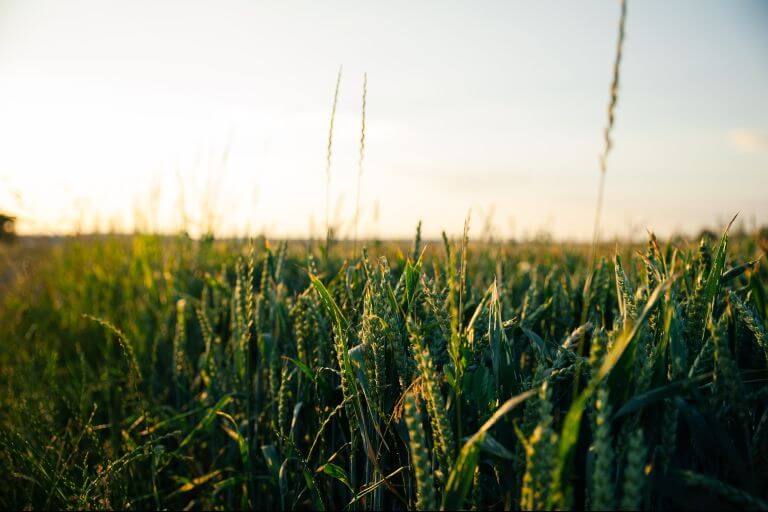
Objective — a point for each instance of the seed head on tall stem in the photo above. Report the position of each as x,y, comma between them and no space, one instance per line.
608,141
328,155
361,157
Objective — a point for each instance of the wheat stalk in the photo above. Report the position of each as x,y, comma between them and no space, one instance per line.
361,156
328,155
607,131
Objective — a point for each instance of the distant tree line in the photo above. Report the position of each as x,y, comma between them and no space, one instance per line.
7,227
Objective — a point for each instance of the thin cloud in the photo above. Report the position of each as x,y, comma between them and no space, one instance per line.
749,141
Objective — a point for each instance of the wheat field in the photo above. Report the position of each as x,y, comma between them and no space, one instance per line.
152,372
168,372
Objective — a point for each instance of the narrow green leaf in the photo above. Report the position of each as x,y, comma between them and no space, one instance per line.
490,445
306,370
329,303
207,420
661,393
336,472
272,458
712,285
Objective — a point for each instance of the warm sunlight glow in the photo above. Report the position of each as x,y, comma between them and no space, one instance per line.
163,115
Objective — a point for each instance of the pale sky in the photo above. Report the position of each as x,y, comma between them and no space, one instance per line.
108,108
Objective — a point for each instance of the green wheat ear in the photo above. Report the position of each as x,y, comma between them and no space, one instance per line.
425,485
634,472
602,495
624,292
441,426
179,344
669,423
598,349
749,318
283,398
537,489
726,375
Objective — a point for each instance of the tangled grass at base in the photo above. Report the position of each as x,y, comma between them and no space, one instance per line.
156,373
